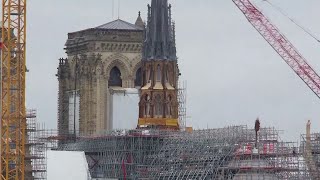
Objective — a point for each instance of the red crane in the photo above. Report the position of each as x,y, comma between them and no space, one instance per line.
280,44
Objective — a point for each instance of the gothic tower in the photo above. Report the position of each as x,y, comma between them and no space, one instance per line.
101,62
158,106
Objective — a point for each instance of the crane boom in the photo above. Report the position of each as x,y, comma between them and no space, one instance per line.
13,110
280,44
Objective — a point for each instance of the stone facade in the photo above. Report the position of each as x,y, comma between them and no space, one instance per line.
108,56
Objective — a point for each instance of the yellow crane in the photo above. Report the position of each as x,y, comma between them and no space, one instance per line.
13,110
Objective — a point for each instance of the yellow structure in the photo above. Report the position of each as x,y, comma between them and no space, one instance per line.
164,122
13,115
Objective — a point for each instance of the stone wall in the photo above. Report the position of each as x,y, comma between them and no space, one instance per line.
91,56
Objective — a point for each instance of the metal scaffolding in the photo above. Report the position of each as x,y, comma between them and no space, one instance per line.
197,155
182,110
223,153
271,158
36,164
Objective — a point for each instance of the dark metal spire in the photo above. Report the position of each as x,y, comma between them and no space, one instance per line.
159,43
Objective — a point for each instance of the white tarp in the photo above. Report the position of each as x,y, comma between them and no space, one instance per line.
74,111
124,108
67,165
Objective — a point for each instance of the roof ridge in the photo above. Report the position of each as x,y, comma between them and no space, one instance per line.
134,26
116,24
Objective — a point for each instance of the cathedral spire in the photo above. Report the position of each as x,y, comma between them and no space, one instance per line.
158,106
159,41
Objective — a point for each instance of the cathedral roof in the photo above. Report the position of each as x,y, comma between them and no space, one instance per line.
119,25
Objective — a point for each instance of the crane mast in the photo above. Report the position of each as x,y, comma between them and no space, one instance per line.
13,110
280,44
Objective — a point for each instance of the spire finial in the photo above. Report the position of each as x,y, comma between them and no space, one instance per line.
139,21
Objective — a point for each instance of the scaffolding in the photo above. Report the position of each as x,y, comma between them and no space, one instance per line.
197,155
228,153
36,164
271,158
182,109
223,153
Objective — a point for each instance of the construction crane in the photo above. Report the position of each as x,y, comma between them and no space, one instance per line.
290,55
280,44
13,110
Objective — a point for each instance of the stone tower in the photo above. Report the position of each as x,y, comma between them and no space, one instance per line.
158,106
99,60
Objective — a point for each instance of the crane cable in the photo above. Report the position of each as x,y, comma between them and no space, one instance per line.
294,21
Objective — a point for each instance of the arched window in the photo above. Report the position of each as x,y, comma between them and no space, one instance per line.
167,76
158,106
169,107
147,106
115,77
158,73
138,80
148,73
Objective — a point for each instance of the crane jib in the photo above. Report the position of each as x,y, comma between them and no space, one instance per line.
280,44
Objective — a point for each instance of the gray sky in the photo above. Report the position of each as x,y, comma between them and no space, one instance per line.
233,75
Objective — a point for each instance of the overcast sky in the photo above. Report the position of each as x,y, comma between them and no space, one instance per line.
233,76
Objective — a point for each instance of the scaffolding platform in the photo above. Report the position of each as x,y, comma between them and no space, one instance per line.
222,153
